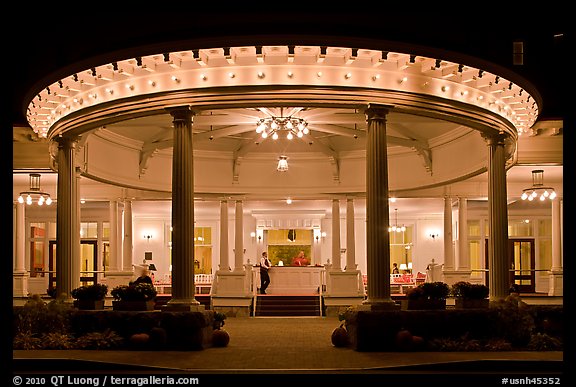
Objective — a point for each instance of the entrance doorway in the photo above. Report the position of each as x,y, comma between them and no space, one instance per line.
521,262
88,263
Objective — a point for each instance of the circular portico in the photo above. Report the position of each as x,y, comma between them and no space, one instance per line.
371,115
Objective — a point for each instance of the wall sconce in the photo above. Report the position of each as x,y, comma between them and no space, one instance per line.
433,235
148,237
259,235
253,236
319,236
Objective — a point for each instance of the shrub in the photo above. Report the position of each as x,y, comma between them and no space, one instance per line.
100,340
95,292
469,291
544,342
515,322
54,340
138,292
38,317
429,290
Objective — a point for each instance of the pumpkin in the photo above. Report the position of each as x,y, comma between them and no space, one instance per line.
418,341
220,338
340,336
139,339
404,339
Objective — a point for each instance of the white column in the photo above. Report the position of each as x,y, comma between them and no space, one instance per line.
556,235
239,238
336,259
463,247
448,239
350,237
224,258
128,241
114,259
20,265
557,271
20,288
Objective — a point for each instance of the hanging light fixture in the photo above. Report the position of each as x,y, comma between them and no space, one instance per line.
282,164
35,193
397,228
538,189
271,126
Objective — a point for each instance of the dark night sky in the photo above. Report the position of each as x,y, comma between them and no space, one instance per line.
50,42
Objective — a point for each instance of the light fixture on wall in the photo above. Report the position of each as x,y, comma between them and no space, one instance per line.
148,237
292,126
35,193
433,235
253,235
538,189
282,164
396,228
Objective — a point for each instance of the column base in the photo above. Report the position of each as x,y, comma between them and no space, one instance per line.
556,283
344,284
232,283
20,284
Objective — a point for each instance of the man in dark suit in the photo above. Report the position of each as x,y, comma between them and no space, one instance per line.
264,276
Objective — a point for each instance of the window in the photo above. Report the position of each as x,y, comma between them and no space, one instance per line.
401,247
89,230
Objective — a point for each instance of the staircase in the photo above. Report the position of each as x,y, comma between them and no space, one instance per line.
283,305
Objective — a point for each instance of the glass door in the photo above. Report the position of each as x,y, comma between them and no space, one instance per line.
522,264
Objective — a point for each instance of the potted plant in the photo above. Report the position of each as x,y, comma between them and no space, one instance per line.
134,297
429,295
469,296
89,296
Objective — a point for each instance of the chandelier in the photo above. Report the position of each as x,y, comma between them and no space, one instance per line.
282,164
35,193
397,228
271,126
538,188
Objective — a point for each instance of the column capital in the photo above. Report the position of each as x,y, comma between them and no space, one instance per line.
64,141
376,111
180,112
495,139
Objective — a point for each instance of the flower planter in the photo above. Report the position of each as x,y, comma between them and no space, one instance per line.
466,303
89,304
133,305
423,304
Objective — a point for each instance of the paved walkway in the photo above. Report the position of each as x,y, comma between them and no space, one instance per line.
286,345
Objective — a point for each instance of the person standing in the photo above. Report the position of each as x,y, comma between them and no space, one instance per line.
144,277
395,268
264,275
